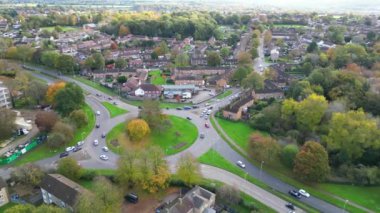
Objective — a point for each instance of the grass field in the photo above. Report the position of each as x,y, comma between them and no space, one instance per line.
95,85
113,110
168,140
224,94
43,151
7,206
163,105
156,77
64,28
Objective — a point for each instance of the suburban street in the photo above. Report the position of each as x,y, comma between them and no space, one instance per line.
212,140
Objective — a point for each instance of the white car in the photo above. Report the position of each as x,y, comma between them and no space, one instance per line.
304,193
240,164
80,143
103,157
96,142
105,148
98,113
70,148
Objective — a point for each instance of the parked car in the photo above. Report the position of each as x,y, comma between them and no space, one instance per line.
80,143
96,142
188,118
202,136
178,108
295,194
240,164
70,148
114,103
103,157
206,125
206,117
97,125
187,108
140,107
132,198
97,113
105,148
195,107
77,148
304,193
63,154
290,206
103,135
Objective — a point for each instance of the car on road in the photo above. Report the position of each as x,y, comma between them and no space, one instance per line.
206,117
63,154
304,193
195,107
70,148
295,194
187,108
114,103
97,113
80,143
206,125
140,107
109,98
103,157
103,135
201,136
77,148
97,125
178,108
188,118
240,164
105,148
96,142
290,206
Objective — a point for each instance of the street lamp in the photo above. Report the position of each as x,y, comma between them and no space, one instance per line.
261,167
344,206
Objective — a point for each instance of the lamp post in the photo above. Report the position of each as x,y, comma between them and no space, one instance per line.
261,168
344,206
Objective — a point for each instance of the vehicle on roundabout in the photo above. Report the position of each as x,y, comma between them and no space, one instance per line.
103,157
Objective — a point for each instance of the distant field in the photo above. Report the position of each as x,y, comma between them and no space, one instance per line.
65,29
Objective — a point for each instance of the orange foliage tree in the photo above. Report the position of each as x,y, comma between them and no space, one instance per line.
137,129
53,89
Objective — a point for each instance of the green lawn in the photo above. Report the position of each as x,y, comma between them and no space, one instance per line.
167,140
7,206
113,110
259,205
237,131
156,77
213,158
365,196
43,151
64,28
95,85
163,105
224,94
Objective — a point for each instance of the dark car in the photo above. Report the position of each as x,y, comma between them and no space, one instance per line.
77,148
132,198
187,108
140,107
97,125
103,135
290,206
64,154
295,194
188,118
195,107
179,108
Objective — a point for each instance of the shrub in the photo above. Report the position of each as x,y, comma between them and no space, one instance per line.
288,154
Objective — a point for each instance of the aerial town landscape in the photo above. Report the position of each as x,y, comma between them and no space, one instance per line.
189,106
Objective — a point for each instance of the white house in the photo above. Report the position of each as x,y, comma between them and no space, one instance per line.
274,54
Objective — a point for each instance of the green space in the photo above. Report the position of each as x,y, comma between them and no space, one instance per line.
7,206
113,110
95,85
224,94
180,136
248,199
43,151
163,105
156,77
368,197
64,28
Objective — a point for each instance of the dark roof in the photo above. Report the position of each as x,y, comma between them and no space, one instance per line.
269,87
234,107
149,87
61,187
189,77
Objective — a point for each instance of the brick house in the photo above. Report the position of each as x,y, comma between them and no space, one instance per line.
148,91
187,71
185,80
236,110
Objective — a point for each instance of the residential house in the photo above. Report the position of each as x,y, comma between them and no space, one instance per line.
192,79
236,110
186,71
58,190
148,91
3,24
197,200
270,90
172,91
4,97
130,86
4,197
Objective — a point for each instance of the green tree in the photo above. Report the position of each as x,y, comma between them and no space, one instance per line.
182,60
36,91
213,59
66,64
28,208
70,168
253,81
188,170
310,111
263,148
121,79
311,163
313,47
240,74
79,118
225,52
151,113
244,59
29,174
121,63
68,99
127,173
50,58
228,194
7,123
288,155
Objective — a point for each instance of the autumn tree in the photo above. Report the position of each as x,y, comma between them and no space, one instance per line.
78,118
137,129
68,99
70,168
123,31
228,194
29,174
188,169
263,148
267,37
244,59
7,123
53,89
311,163
127,173
45,121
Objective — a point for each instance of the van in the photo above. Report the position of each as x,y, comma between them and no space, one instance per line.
132,198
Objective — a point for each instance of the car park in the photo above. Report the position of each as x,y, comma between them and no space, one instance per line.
64,154
103,157
304,193
295,193
70,148
80,143
290,206
96,142
132,198
105,148
240,164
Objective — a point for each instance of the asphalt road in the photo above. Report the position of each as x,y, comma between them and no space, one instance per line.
211,140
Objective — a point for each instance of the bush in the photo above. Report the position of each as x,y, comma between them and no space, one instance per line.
361,175
88,175
288,154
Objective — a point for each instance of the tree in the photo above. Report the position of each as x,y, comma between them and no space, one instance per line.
161,49
123,31
213,59
127,173
267,37
188,170
151,113
244,59
69,168
53,89
253,81
50,58
121,79
313,47
310,111
263,148
96,61
240,74
137,129
29,174
182,60
352,133
288,155
37,91
79,118
45,121
7,123
225,52
62,134
28,208
113,46
311,163
68,99
66,64
228,194
56,140
268,119
120,63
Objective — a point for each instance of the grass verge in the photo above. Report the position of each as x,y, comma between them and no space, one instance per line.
113,110
224,94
